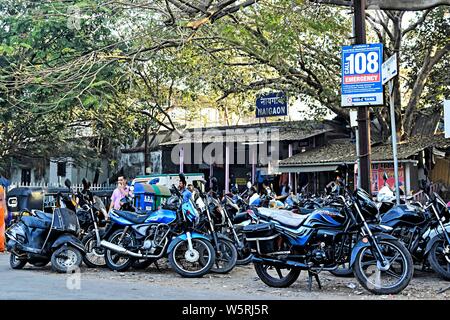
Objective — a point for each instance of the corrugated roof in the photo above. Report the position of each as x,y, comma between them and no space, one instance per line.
345,151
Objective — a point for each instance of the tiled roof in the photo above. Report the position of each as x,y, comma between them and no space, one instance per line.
345,151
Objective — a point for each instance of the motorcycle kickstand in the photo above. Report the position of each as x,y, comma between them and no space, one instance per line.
310,276
156,265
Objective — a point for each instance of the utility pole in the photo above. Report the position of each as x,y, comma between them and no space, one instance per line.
359,29
146,149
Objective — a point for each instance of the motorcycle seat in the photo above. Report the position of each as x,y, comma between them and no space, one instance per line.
284,217
135,217
40,220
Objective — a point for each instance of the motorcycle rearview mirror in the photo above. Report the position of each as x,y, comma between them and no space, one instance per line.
385,176
249,185
67,183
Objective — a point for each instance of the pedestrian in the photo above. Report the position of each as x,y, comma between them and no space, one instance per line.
119,193
3,213
183,189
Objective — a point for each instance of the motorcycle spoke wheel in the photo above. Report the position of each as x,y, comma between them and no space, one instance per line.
192,264
439,259
94,255
377,280
276,276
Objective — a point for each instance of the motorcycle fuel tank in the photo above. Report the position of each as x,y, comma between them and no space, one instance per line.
162,216
326,217
402,215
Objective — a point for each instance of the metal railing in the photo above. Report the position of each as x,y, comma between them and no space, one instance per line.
75,187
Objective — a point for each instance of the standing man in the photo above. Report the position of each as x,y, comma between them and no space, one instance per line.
182,188
119,193
3,213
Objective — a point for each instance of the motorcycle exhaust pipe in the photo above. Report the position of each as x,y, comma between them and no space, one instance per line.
120,249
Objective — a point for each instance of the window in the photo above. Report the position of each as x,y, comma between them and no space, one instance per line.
26,176
61,171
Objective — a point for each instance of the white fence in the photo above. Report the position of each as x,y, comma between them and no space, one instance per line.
75,187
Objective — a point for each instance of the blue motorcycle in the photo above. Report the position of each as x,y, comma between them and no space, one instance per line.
166,232
285,243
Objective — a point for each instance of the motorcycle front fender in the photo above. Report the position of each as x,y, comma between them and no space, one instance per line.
361,245
69,240
183,237
435,237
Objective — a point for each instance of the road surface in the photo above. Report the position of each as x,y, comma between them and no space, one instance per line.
164,284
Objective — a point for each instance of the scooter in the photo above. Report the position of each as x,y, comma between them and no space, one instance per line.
40,237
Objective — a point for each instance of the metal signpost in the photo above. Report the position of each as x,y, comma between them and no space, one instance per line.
389,72
447,118
271,104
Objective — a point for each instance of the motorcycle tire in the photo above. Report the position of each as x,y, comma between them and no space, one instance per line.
436,259
88,261
228,254
282,282
66,259
342,272
109,258
16,263
377,289
192,274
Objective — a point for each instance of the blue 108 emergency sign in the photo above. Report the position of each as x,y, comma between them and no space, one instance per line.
361,75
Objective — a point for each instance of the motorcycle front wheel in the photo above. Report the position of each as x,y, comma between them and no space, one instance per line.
95,255
226,257
439,258
66,259
195,263
378,281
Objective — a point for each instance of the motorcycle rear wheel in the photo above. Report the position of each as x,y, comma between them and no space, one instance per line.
283,281
112,258
343,270
16,263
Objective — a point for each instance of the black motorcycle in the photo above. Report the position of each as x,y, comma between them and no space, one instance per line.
425,232
95,253
237,218
212,219
322,240
40,237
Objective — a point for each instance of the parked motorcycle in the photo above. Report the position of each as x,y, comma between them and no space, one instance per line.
322,240
425,232
168,231
236,219
40,237
212,218
95,253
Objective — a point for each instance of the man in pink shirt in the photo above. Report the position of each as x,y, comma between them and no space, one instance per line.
119,193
